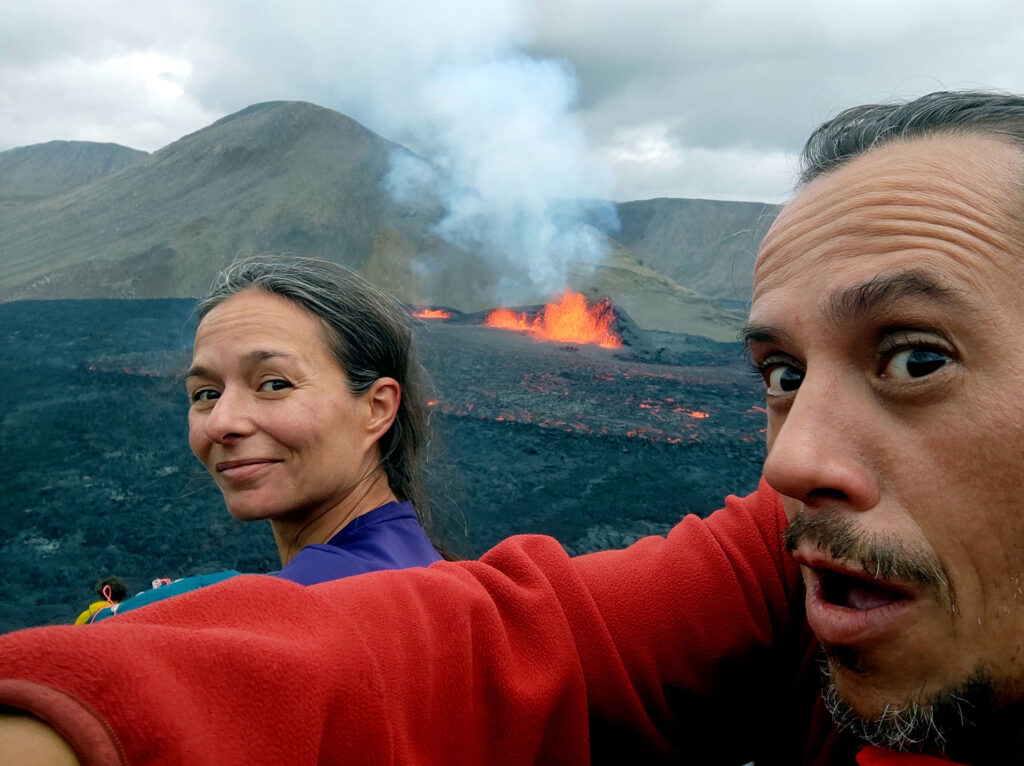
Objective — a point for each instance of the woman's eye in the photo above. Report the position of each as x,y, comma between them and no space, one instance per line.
783,378
277,384
205,395
914,363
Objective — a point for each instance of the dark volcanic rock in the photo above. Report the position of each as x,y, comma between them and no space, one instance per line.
96,476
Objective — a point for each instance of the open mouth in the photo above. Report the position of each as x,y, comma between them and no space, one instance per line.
854,593
849,607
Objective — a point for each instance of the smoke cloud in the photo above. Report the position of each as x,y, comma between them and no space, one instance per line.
498,143
512,169
451,80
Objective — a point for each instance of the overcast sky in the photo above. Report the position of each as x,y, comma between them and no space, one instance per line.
681,98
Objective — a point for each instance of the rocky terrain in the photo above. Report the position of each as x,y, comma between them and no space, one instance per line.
103,250
595,446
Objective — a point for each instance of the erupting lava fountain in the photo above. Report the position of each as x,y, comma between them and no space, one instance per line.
569,320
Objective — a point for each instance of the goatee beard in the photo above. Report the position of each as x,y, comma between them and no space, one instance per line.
961,722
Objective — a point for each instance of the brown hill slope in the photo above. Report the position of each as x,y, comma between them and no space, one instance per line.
286,177
29,173
273,177
706,245
656,302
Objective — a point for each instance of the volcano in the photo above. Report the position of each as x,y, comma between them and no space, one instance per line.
582,388
596,446
570,319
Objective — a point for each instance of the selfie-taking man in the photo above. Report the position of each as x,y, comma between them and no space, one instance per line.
885,545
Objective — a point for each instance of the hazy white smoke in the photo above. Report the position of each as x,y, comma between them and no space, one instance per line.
450,79
512,169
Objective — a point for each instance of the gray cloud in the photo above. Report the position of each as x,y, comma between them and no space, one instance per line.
680,97
744,82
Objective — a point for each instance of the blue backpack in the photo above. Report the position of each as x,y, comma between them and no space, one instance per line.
163,589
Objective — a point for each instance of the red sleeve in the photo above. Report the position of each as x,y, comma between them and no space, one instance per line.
876,756
526,656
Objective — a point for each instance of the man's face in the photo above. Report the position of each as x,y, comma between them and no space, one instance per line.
888,324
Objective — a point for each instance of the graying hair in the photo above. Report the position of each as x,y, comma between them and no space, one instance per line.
368,332
962,722
854,131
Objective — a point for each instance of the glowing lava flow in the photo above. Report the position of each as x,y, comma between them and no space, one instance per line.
432,314
569,320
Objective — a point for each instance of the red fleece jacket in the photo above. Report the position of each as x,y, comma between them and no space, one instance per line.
691,647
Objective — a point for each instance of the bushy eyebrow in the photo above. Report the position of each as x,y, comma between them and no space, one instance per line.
253,357
758,333
856,302
859,301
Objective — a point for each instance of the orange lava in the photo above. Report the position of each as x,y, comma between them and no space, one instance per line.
569,320
507,319
432,314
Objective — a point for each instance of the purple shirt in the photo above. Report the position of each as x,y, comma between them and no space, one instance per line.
388,537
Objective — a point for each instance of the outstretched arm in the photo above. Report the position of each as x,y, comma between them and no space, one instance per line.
526,656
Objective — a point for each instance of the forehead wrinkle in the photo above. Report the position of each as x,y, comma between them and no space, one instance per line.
873,222
857,301
928,223
939,202
260,356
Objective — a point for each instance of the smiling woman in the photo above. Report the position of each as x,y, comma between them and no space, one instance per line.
307,411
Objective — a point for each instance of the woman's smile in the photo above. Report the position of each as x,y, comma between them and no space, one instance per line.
235,471
273,417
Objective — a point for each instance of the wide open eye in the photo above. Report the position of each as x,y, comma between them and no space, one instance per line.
783,379
915,363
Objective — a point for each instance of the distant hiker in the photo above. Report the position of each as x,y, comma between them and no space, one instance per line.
864,606
111,590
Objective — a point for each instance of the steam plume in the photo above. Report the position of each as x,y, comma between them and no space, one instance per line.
512,170
501,151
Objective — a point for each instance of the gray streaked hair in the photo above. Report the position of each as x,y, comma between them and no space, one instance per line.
856,130
368,332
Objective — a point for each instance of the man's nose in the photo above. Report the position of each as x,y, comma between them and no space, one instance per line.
230,417
820,451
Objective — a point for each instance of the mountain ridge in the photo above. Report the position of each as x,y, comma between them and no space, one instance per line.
29,173
664,233
290,176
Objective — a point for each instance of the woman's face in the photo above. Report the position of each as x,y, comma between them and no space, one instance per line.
272,417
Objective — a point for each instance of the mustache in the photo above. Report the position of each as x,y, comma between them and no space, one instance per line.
883,557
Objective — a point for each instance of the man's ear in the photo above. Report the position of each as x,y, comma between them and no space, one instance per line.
382,399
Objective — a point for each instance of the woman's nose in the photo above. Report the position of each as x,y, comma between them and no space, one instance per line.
230,417
818,451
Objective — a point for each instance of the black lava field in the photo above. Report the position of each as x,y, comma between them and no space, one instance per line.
597,447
